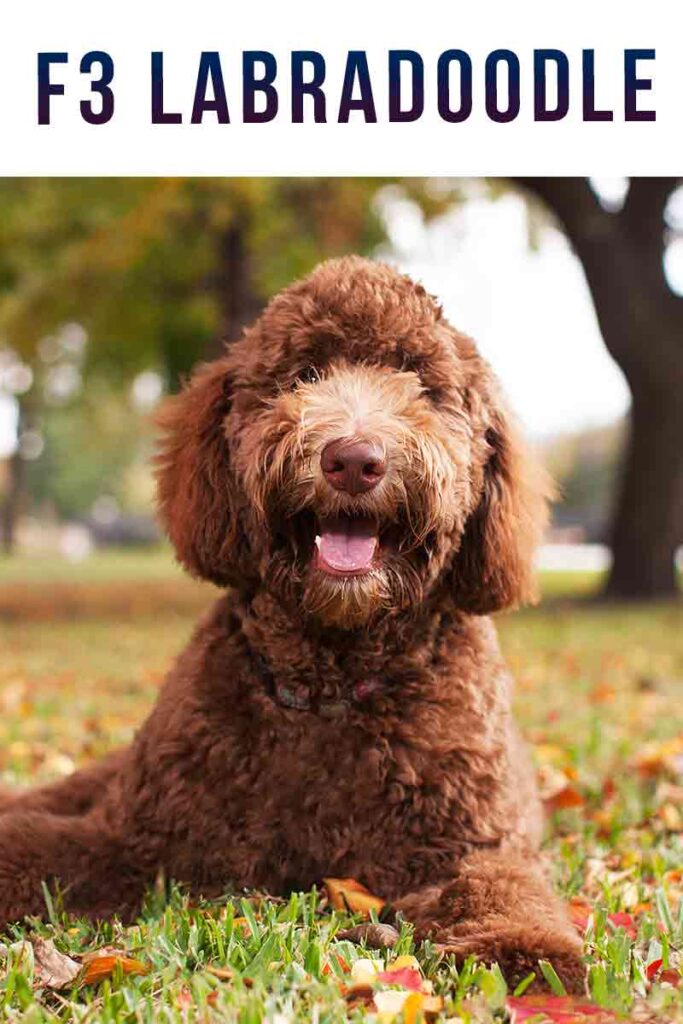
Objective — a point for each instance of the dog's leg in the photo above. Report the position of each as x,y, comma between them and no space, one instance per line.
94,870
500,907
75,794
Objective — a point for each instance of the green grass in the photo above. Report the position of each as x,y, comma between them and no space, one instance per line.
598,697
103,566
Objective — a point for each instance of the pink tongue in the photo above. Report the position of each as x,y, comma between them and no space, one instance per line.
347,545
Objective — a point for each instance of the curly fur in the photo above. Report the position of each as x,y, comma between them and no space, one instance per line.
419,786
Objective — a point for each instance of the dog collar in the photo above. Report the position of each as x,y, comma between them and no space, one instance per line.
300,698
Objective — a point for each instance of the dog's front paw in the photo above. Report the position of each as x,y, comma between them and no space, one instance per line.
517,949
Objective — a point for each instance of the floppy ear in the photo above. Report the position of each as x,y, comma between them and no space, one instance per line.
198,498
493,568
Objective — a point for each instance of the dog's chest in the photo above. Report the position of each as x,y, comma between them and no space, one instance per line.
344,788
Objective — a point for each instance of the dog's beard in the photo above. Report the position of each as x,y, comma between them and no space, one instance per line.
348,602
395,584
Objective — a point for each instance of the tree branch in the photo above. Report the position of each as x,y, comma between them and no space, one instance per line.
574,204
643,211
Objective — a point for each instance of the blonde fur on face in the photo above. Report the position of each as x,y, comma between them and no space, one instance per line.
425,486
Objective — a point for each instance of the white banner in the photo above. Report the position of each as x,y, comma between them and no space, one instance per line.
371,87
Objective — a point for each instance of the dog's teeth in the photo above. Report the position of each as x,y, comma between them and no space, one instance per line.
318,541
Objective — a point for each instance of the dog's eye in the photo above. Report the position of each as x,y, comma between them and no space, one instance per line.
308,376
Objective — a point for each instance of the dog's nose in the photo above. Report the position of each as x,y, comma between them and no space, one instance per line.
353,465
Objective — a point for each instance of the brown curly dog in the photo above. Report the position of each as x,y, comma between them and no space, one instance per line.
349,470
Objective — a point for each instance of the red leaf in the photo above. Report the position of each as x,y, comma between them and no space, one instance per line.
542,1009
407,978
672,977
625,921
652,968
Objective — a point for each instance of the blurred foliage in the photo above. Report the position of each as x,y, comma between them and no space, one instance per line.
93,447
585,466
157,269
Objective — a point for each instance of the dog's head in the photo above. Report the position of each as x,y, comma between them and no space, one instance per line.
352,453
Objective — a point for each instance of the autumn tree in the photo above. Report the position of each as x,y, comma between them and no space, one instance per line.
641,321
161,271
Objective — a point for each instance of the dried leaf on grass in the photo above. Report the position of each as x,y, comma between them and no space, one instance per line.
343,966
660,758
547,1009
98,966
580,912
53,969
668,975
407,977
225,974
348,894
56,970
563,799
413,1006
374,936
410,994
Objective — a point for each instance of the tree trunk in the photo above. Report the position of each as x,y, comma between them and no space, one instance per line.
647,522
641,322
233,289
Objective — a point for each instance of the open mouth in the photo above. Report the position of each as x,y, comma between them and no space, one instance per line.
347,545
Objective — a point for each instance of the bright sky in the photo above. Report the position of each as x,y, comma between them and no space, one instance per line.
529,311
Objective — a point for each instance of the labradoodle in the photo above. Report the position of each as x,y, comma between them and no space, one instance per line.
348,472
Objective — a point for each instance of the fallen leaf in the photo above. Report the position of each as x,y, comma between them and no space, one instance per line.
602,693
546,1009
348,894
375,936
184,998
403,961
565,798
364,971
407,977
579,913
52,968
222,973
625,921
609,788
671,816
660,758
412,1005
357,995
97,967
243,924
391,1001
341,963
653,967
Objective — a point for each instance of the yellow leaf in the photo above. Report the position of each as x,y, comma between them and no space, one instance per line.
412,1008
348,894
402,962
